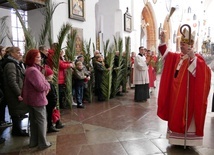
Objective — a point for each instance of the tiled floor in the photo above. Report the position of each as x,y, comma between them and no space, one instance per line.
119,126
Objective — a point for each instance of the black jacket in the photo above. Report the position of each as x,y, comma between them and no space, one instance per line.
52,96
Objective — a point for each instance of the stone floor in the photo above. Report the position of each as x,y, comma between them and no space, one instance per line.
119,126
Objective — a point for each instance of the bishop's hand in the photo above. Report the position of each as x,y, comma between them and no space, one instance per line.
191,53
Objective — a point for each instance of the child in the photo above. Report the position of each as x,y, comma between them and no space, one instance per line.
79,79
52,101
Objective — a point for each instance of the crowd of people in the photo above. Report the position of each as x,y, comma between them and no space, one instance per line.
24,78
27,89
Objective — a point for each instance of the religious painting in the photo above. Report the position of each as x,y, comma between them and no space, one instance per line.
77,9
79,40
127,22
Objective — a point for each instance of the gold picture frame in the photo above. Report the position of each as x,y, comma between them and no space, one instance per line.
77,9
127,22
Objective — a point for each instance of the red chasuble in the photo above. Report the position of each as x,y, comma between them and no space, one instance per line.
172,97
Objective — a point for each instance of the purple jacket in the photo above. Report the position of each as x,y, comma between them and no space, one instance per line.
35,87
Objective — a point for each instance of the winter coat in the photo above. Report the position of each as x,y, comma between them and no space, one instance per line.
79,77
52,95
35,87
99,69
63,65
13,82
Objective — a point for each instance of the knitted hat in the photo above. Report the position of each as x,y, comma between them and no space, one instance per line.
48,71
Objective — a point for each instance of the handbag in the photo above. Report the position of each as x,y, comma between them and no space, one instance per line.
55,115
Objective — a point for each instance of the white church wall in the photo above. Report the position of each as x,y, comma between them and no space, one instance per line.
110,17
61,16
124,6
106,13
137,8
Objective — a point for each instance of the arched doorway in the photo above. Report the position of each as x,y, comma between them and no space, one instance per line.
148,29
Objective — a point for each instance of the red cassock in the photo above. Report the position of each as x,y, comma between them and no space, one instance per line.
152,72
172,97
132,69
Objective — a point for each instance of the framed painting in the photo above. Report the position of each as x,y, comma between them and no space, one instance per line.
77,9
79,40
127,22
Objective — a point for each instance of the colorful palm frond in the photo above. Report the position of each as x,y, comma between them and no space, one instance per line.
70,55
116,43
107,77
118,71
62,34
126,64
71,48
105,46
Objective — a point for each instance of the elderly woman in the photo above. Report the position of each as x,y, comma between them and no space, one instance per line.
13,81
35,89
